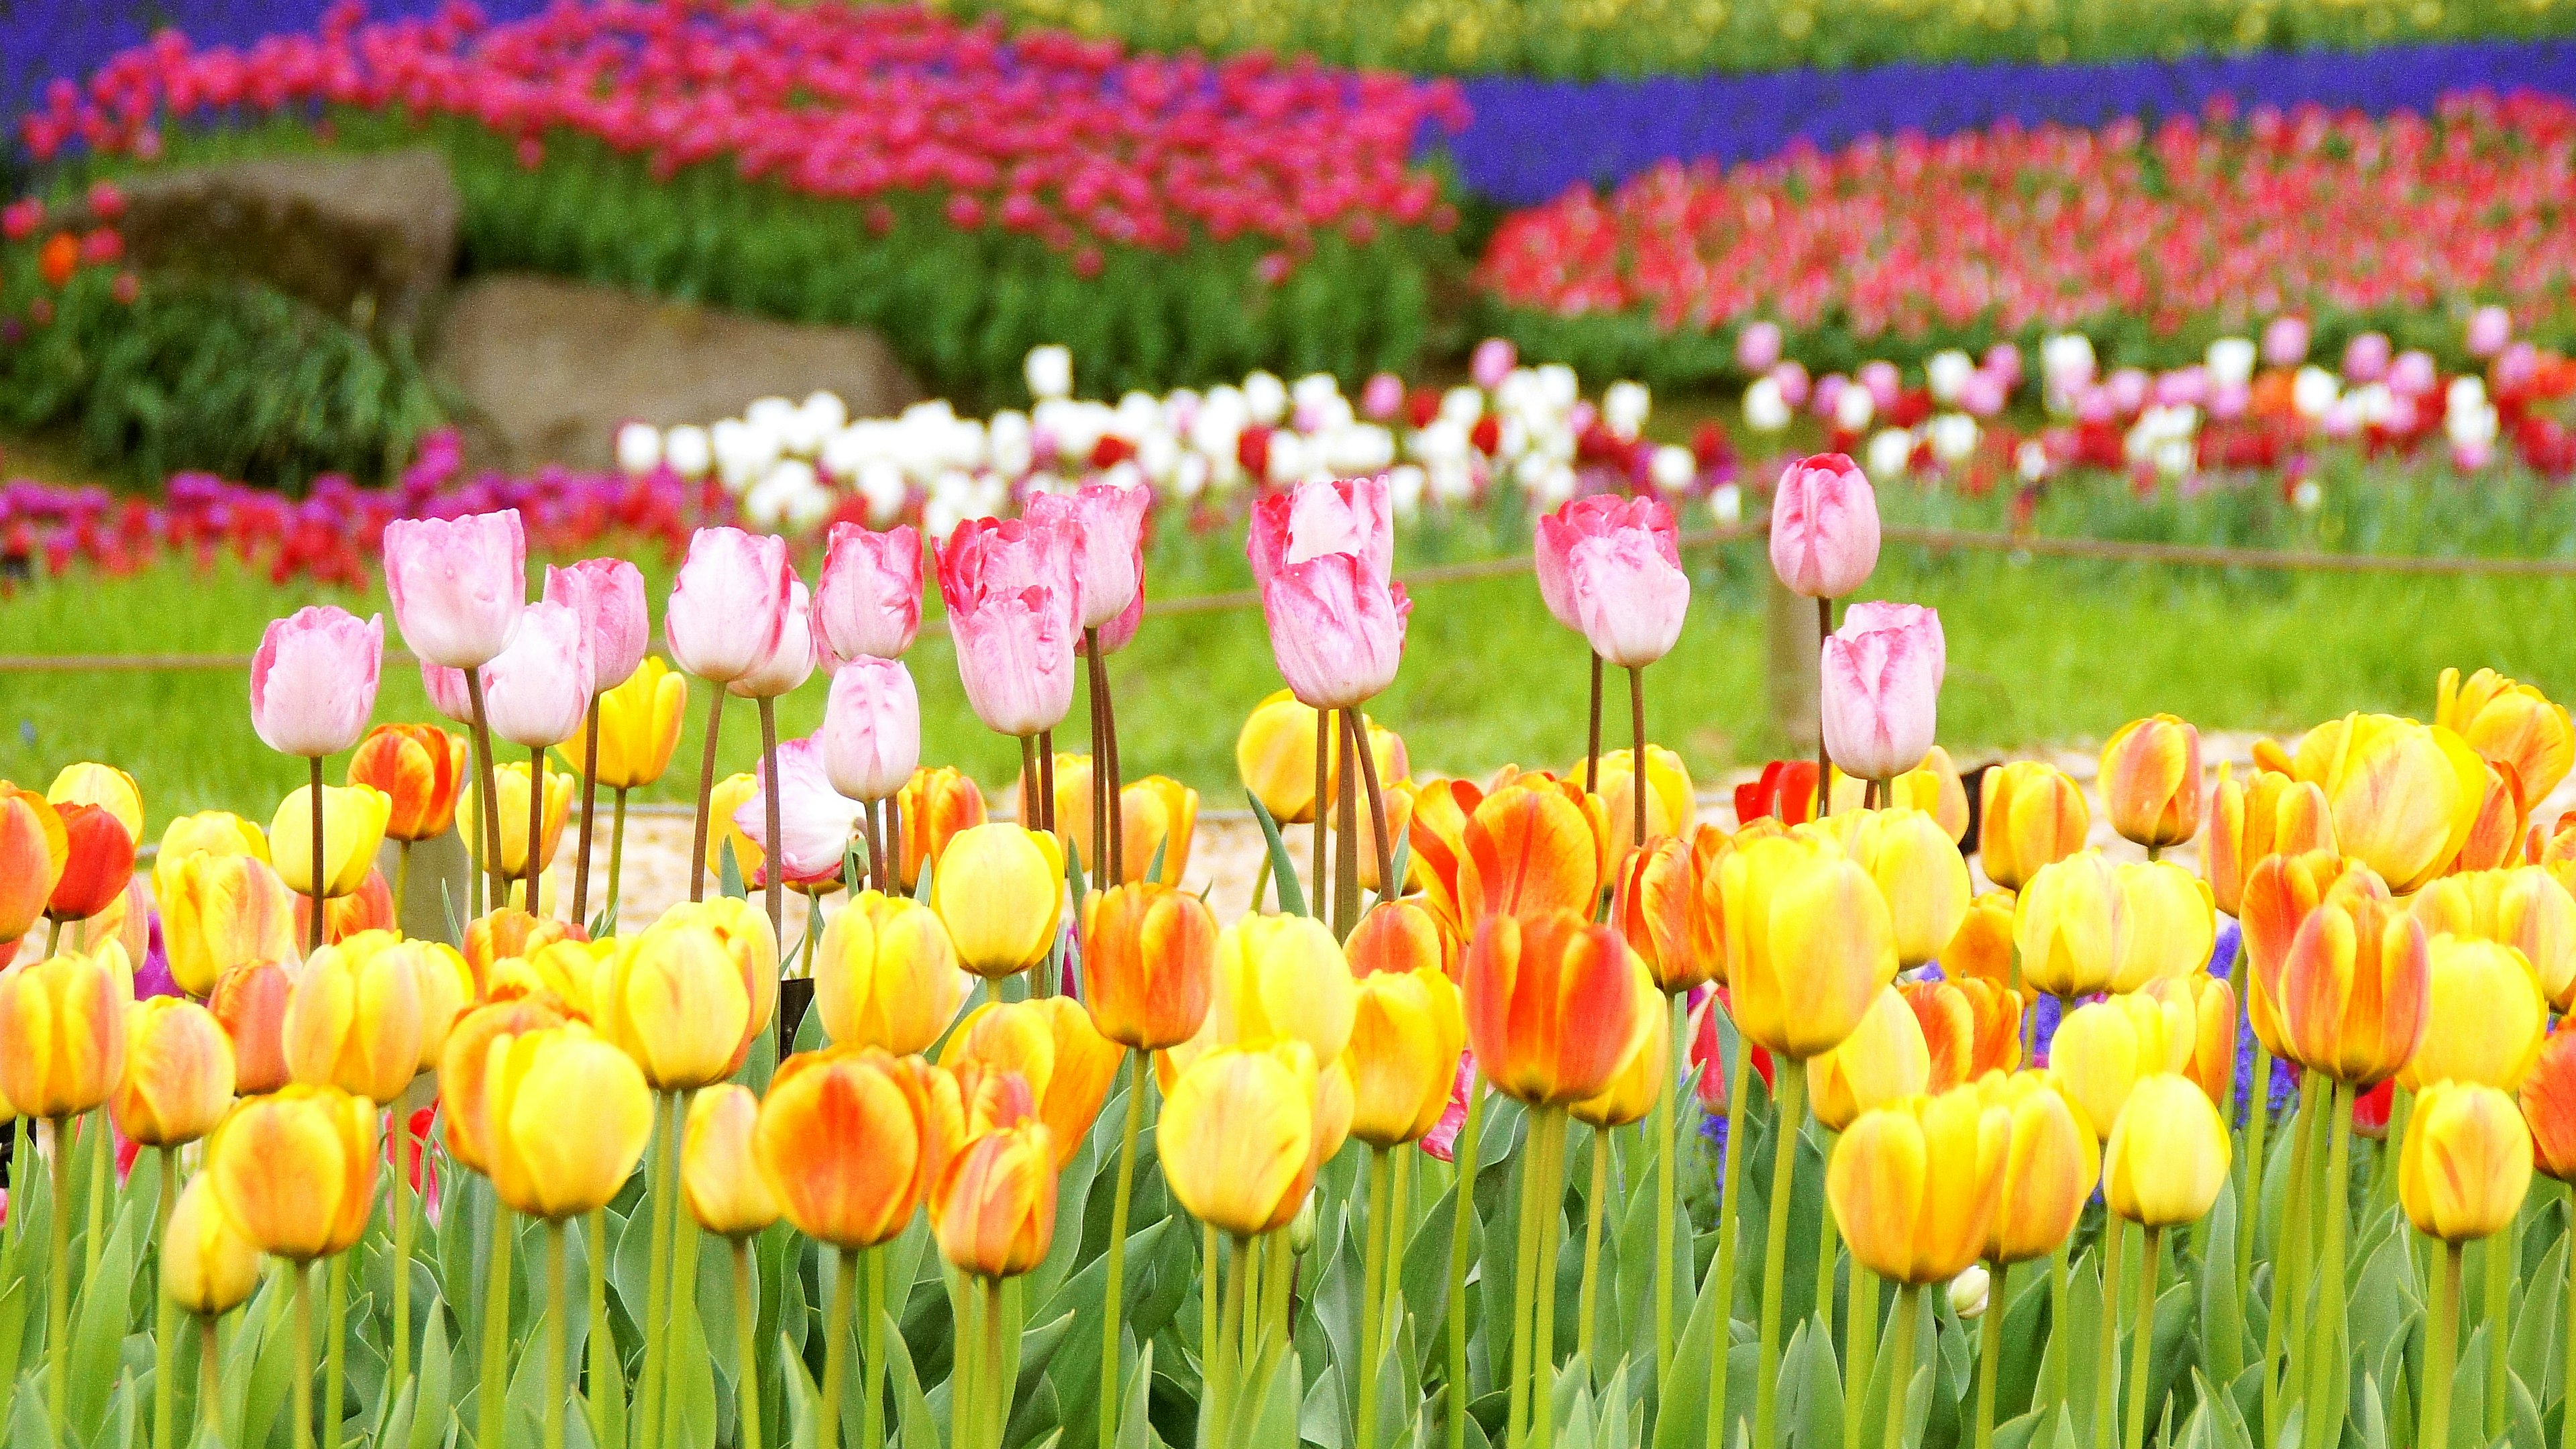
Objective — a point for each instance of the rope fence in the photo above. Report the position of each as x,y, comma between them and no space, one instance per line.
2176,555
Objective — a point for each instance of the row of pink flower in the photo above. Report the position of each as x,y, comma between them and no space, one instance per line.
1067,140
2055,227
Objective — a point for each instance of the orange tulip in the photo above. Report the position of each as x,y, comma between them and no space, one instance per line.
98,863
1441,809
368,908
2151,780
1531,847
2404,795
420,768
1915,1185
993,1210
1051,1043
2509,724
1970,1027
178,1077
2271,814
2030,814
223,911
2524,907
1935,789
250,1002
844,1139
2548,1096
1550,1005
720,1174
1883,1061
63,1019
1981,949
2280,892
1156,814
296,1170
887,977
464,1070
354,1019
2483,1019
1403,1055
34,850
2051,1164
1237,1136
1709,848
1149,963
1402,935
2495,837
1642,1079
935,804
1808,943
509,932
1658,892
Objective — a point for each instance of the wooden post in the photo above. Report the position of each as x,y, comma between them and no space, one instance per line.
1795,651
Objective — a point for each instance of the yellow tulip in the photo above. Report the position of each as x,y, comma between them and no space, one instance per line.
2167,1155
993,1209
639,726
2103,1049
2271,814
295,1170
2466,1162
565,970
673,1000
2172,923
207,1266
2031,815
1670,800
2050,1166
2404,795
1000,891
1918,868
353,1020
724,837
1915,1185
1809,942
719,1170
2071,926
446,989
2524,907
1275,756
1281,978
886,976
1237,1136
1406,1034
742,929
208,832
2484,1018
1982,948
465,1070
2509,724
105,786
63,1020
178,1078
2210,1004
1884,1060
353,825
510,787
1935,789
221,911
541,1083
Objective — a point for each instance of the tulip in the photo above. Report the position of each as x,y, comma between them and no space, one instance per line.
1014,605
1107,523
207,1266
2404,796
1881,683
1406,1033
1323,556
1657,897
2031,816
729,604
510,787
64,1020
871,735
313,681
1610,568
464,1071
745,935
2273,814
1970,1027
1918,869
867,604
1884,1060
2525,908
790,662
505,933
250,1002
219,912
719,1169
446,989
353,825
1053,1047
2071,926
105,786
565,972
2548,1098
295,1170
2466,1163
2103,1049
2050,1167
1275,756
2166,1158
34,850
608,595
1149,963
1809,942
887,977
1644,1077
729,836
1403,935
1670,800
1982,948
2483,1017
1824,527
1237,1136
1934,788
1280,978
844,1141
537,690
1000,891
1528,847
178,1077
815,822
98,864
2151,781
354,1020
934,807
674,1000
2172,923
2495,836
419,768
2210,1005
993,1210
2510,725
1549,1004
538,1081
639,725
1916,1185
458,585
1157,815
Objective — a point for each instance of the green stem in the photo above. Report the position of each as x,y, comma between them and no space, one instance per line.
558,1306
2061,1326
2281,1335
997,1394
963,1378
2325,1412
1551,1239
2142,1353
102,1178
1524,1289
1464,1156
1829,1242
58,1303
606,1376
2441,1342
1586,1300
1990,1351
1667,1191
22,1163
1373,1289
210,1382
2258,1123
1860,1334
1114,1300
496,1329
1211,1291
1722,1342
2502,1253
589,808
616,852
406,1154
2567,1425
315,930
165,1314
657,1295
698,849
836,1347
2106,1343
1901,1344
299,1293
1791,1115
335,1351
873,1372
402,881
1223,1356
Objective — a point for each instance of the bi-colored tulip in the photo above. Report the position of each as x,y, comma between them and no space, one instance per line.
2483,1017
639,727
1982,948
1883,1061
1158,817
2466,1162
465,1071
2172,923
2151,781
539,1082
2271,814
993,1209
1531,846
1149,964
1237,1136
510,787
568,971
1404,935
1014,603
499,935
222,911
1915,1185
1671,801
2103,1049
1000,891
867,603
2030,816
1658,896
34,850
1050,1042
2524,907
1108,526
2071,925
886,976
2548,1097
2051,1163
2404,795
353,825
1403,1054
720,1176
2166,1159
1551,1003
354,1020
208,1267
98,863
1609,568
536,691
296,1170
1917,867
458,584
1644,1076
64,1021
1824,527
1881,688
178,1077
1322,557
1970,1027
421,770
934,808
2509,724
845,1141
674,1000
729,604
608,596
313,681
250,1001
871,735
1809,942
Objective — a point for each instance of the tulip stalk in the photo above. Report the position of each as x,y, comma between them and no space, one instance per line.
406,1161
2106,1344
558,1303
2288,1320
1824,758
1114,1297
1790,1115
606,1374
2441,1344
102,1172
1225,1347
617,851
706,792
1990,1350
313,933
536,828
58,1303
299,1297
836,1356
1584,1309
1909,1331
1666,1117
2061,1305
873,1371
589,805
1323,809
1860,1335
2503,1255
1828,1253
2567,1423
2258,1122
1550,1239
1388,887
1346,853
492,1395
210,1382
2142,1352
662,1185
165,1312
335,1356
775,863
1464,1157
2325,1416
1731,1182
1592,750
1373,1289
489,806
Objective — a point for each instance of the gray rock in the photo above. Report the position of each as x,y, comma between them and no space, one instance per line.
545,370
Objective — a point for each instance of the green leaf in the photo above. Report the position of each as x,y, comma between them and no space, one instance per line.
1283,871
99,1319
432,1405
729,874
1811,1386
2222,1319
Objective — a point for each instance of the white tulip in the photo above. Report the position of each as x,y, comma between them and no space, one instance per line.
1265,398
1558,385
881,485
1049,371
1726,504
1405,484
1947,372
1889,455
1765,410
639,448
1624,408
688,452
1953,437
1970,1291
1672,469
2230,361
1462,405
1853,408
2313,391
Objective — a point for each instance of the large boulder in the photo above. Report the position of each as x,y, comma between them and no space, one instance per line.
368,238
547,369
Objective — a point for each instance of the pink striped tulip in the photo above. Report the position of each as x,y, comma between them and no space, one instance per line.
537,691
791,662
871,735
1108,526
1014,607
1882,686
868,602
608,593
1824,527
1610,568
729,604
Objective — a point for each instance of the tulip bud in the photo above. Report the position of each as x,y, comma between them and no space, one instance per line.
1236,1138
1982,948
1646,1074
295,1170
2031,815
1657,896
250,1002
353,825
993,1210
1000,891
1671,802
673,1000
729,604
313,681
1883,1060
2151,781
1919,871
219,912
1809,942
2405,796
2548,1098
1969,1293
2071,926
2483,1017
1323,557
1274,754
420,769
845,1141
207,1266
1609,568
1915,1185
2525,908
354,1019
639,726
1550,1004
2511,725
458,585
790,662
1149,963
537,1082
1935,789
98,863
178,1077
719,1172
465,1072
871,734
1402,934
1014,605
64,1021
504,933
510,787
935,806
1108,527
2273,814
608,596
1824,527
1881,684
1970,1027
2050,1166
565,973
1406,1035
2172,923
2104,1048
536,691
33,853
887,977
868,601
2167,1156
2466,1162
1535,844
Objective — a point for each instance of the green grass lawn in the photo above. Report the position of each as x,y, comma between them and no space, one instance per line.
2041,651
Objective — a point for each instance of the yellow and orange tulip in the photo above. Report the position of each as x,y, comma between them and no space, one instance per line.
845,1140
1918,868
2103,1049
1149,963
2051,1163
886,976
353,825
1670,800
720,1176
420,769
1970,1026
673,1000
250,1001
1809,942
2524,907
2167,1156
222,911
2466,1163
2151,781
1237,1136
1406,1034
540,1081
178,1077
933,807
354,1019
33,853
2270,814
1281,978
207,1266
1534,845
2030,815
464,1070
1050,1042
1642,1079
1657,896
295,1170
2404,795
64,1021
993,1210
1550,1005
1883,1061
1982,948
1915,1185
2509,724
2172,923
2548,1098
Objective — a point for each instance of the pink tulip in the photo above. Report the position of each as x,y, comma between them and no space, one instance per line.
1325,557
313,681
2490,328
458,584
791,661
868,602
1824,527
447,692
1757,347
2003,361
1795,387
814,820
1354,516
2285,341
871,735
729,603
1610,568
536,693
2412,373
1883,382
1107,523
608,593
1013,612
2365,358
1492,361
1383,397
1881,687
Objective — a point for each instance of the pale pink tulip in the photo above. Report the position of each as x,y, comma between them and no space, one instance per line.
814,820
729,603
1107,524
2490,328
1324,554
1383,397
1757,347
447,692
1882,688
313,681
1014,609
608,593
2285,341
868,602
536,693
1610,568
457,584
1824,527
791,662
1492,361
1355,516
871,735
